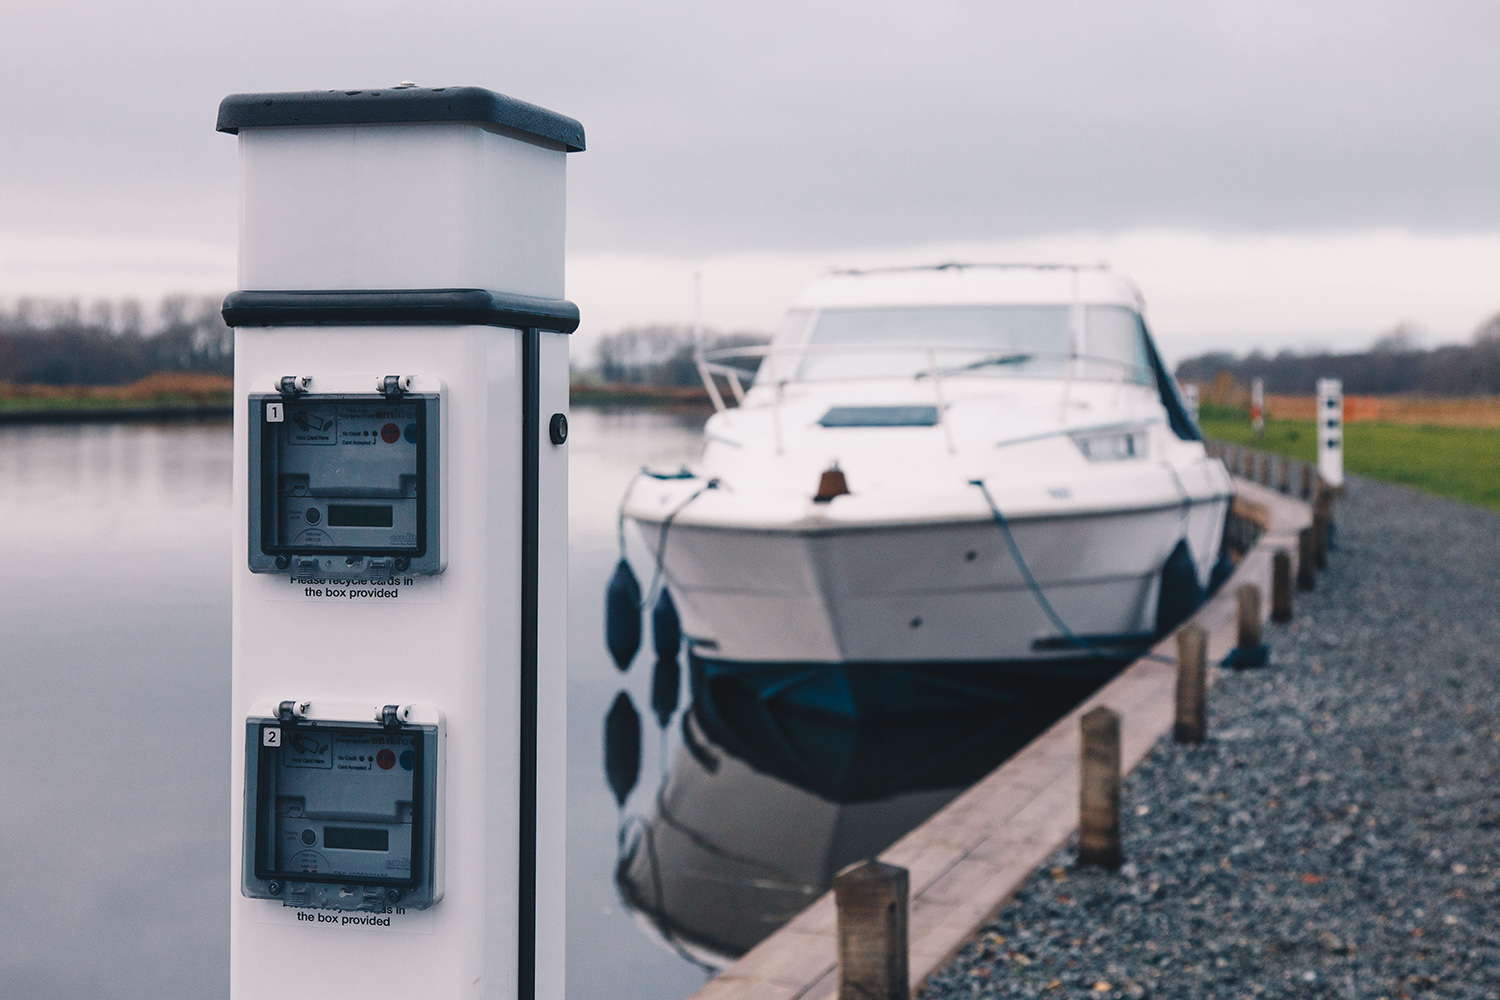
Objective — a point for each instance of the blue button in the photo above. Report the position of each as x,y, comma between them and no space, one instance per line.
407,760
411,433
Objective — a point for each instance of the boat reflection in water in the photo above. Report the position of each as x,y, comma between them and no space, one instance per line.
787,774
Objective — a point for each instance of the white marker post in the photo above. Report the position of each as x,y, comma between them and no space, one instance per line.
400,545
1190,399
1331,431
1258,406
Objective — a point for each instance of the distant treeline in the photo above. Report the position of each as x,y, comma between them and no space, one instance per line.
64,342
663,355
1393,365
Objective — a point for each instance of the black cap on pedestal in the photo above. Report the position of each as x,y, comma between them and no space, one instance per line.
403,105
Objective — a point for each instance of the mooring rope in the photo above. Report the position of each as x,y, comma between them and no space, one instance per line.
649,595
1073,639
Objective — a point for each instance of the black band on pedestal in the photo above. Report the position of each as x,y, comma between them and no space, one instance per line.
400,307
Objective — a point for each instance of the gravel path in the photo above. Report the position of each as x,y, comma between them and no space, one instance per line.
1339,833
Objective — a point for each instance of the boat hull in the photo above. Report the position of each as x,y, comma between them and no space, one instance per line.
947,591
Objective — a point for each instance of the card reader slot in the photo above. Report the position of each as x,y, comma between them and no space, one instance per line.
360,492
401,816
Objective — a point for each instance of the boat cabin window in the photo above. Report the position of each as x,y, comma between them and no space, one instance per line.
978,341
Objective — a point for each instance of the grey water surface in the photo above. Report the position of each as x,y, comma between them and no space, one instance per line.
115,737
114,694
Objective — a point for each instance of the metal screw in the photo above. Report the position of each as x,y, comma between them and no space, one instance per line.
274,888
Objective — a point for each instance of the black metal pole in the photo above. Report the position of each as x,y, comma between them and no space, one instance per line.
531,431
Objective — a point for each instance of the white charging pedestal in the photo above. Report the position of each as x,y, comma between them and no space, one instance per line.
1331,431
400,587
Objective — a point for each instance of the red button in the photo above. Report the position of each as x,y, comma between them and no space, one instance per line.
390,433
386,759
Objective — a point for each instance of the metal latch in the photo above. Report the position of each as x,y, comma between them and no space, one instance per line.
395,386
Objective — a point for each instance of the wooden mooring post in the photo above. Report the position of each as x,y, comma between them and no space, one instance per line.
1284,481
872,899
1307,560
1248,651
1099,789
1322,523
1192,685
1307,481
1248,598
1281,586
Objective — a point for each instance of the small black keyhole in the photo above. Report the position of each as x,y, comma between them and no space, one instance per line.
557,428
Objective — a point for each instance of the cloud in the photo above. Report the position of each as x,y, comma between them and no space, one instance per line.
1280,170
63,265
807,127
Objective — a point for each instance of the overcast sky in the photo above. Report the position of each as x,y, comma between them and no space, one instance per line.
1275,173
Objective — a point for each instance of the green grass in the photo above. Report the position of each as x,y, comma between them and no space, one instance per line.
1458,462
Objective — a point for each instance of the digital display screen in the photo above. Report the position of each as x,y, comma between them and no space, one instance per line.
343,838
342,515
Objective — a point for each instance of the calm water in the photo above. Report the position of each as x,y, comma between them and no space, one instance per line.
114,753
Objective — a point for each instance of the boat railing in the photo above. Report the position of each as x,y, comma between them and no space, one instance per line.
712,365
713,361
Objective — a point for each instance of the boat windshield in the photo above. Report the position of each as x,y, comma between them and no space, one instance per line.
1006,341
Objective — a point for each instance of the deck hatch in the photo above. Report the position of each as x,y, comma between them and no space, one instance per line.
880,416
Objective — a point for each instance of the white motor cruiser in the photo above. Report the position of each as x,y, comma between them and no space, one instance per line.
961,464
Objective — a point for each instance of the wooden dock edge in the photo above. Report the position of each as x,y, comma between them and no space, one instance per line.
967,860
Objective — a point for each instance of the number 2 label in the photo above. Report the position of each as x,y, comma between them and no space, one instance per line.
270,737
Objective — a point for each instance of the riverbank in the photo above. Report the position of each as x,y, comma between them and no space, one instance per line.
630,394
1336,834
171,412
1421,411
164,396
1461,463
211,397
